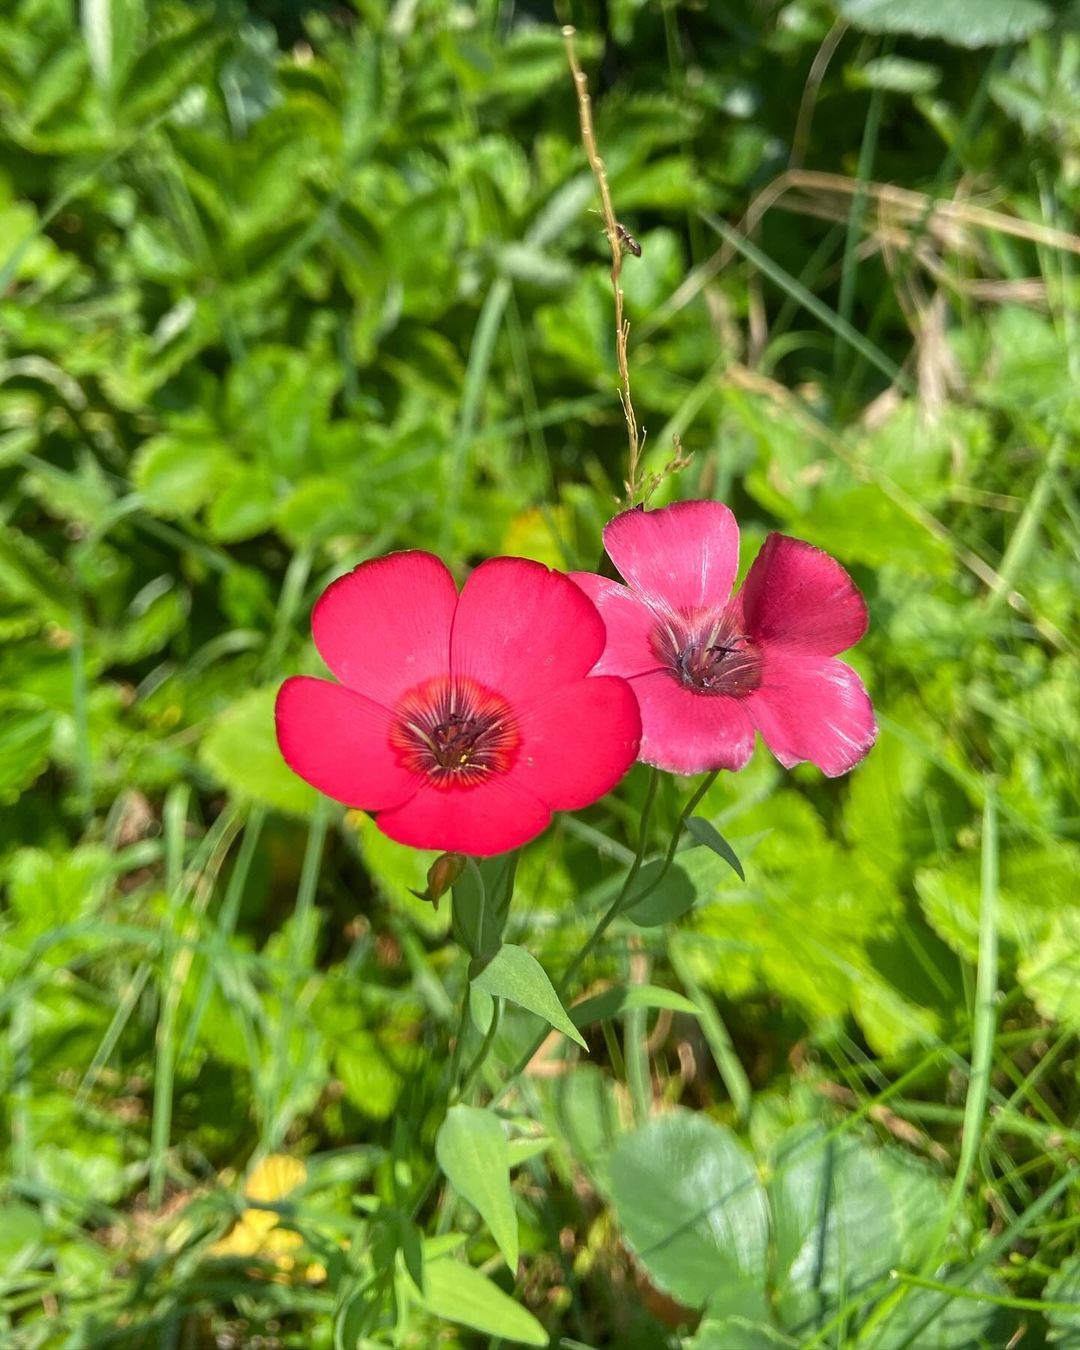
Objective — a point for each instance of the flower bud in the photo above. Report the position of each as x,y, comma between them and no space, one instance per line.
442,874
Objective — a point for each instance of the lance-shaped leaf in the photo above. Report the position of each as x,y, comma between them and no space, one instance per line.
516,975
472,1151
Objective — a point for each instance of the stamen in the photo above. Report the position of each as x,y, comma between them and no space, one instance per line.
457,732
707,654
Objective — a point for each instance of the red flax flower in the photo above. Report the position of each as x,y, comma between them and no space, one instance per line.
461,722
709,667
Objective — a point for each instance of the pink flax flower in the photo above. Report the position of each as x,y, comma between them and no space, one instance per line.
461,721
708,667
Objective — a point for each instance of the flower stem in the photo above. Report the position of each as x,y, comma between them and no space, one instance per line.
481,1055
687,812
631,876
617,904
459,1041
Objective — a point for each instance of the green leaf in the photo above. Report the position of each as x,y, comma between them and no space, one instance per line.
691,1206
705,832
112,29
241,751
472,1152
372,1084
47,891
481,904
844,1213
520,1151
177,474
459,1293
896,74
665,901
22,1234
26,736
967,23
618,999
516,975
244,507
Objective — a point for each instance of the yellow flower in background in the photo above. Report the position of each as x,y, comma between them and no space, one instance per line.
258,1232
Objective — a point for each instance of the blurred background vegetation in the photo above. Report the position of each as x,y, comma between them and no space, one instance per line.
284,286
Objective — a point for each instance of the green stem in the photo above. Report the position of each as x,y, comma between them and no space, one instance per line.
459,1041
481,1055
631,876
617,904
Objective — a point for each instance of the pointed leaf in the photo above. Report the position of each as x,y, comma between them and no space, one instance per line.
471,1150
704,832
516,975
459,1293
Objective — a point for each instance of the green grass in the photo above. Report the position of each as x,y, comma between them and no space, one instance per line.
276,300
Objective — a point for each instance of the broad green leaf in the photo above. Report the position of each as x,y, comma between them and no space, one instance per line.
967,23
618,999
738,1333
691,1206
244,507
459,1293
841,1217
705,832
927,1320
178,474
26,736
515,974
48,890
472,1152
241,751
22,1233
665,895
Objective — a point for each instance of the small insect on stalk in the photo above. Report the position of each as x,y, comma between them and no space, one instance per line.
627,239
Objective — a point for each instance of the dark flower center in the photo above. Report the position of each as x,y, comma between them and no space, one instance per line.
707,653
455,731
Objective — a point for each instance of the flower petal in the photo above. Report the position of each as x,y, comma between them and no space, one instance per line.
629,624
686,732
522,628
578,742
493,817
682,557
384,627
812,707
795,593
339,742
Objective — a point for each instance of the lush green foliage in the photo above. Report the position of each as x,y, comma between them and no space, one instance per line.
277,299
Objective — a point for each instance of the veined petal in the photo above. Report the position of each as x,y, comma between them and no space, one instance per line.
796,594
522,628
628,621
491,817
812,708
339,742
688,732
577,742
682,557
384,627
